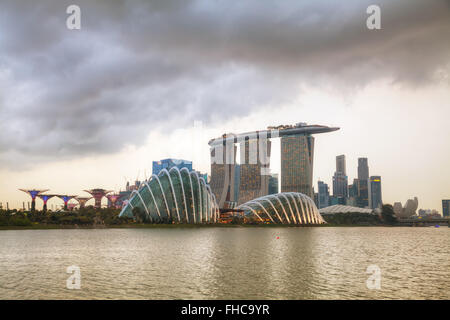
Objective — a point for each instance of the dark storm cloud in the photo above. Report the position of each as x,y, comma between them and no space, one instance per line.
137,66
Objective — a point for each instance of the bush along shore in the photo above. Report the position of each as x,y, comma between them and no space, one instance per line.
91,217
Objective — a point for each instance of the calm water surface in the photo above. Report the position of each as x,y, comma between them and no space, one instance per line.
226,263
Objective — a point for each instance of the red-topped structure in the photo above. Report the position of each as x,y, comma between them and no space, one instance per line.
82,201
33,193
45,198
98,194
66,199
113,199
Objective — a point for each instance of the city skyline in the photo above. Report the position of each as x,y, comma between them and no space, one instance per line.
83,108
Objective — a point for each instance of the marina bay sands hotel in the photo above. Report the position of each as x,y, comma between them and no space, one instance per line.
297,155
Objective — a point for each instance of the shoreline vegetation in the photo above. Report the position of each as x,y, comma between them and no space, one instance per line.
108,218
178,226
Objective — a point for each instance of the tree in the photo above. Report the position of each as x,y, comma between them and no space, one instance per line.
388,214
138,214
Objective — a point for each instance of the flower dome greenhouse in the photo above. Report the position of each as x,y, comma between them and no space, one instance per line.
175,195
283,208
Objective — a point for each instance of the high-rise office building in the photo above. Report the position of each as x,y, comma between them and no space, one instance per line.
375,199
340,179
446,208
170,163
353,193
363,183
273,183
323,196
363,169
254,169
223,166
340,164
297,152
297,157
237,181
353,189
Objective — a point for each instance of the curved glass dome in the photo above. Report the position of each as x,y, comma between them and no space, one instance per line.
175,195
283,208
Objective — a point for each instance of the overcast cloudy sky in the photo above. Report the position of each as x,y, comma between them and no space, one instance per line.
86,108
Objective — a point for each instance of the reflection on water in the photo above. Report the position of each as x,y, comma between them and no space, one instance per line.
226,263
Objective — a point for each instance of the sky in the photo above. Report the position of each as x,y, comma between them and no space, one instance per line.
147,80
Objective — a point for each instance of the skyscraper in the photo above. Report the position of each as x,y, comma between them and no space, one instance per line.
254,173
237,181
363,183
353,193
446,208
297,157
340,179
273,183
323,195
157,166
297,153
340,164
223,165
363,169
375,199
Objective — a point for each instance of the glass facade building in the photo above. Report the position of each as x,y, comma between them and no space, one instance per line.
254,173
273,183
167,164
297,153
363,183
446,208
283,208
223,172
340,164
323,196
174,195
375,199
340,179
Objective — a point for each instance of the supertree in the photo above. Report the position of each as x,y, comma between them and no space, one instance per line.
98,194
82,201
33,193
45,198
66,199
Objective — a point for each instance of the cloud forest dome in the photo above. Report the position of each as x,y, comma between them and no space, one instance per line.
174,195
283,208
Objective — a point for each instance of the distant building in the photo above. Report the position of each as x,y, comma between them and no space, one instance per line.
353,193
375,199
428,213
202,175
170,163
340,179
446,208
340,185
337,200
340,164
237,181
363,183
254,182
363,169
273,183
124,196
223,172
297,153
408,210
323,195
